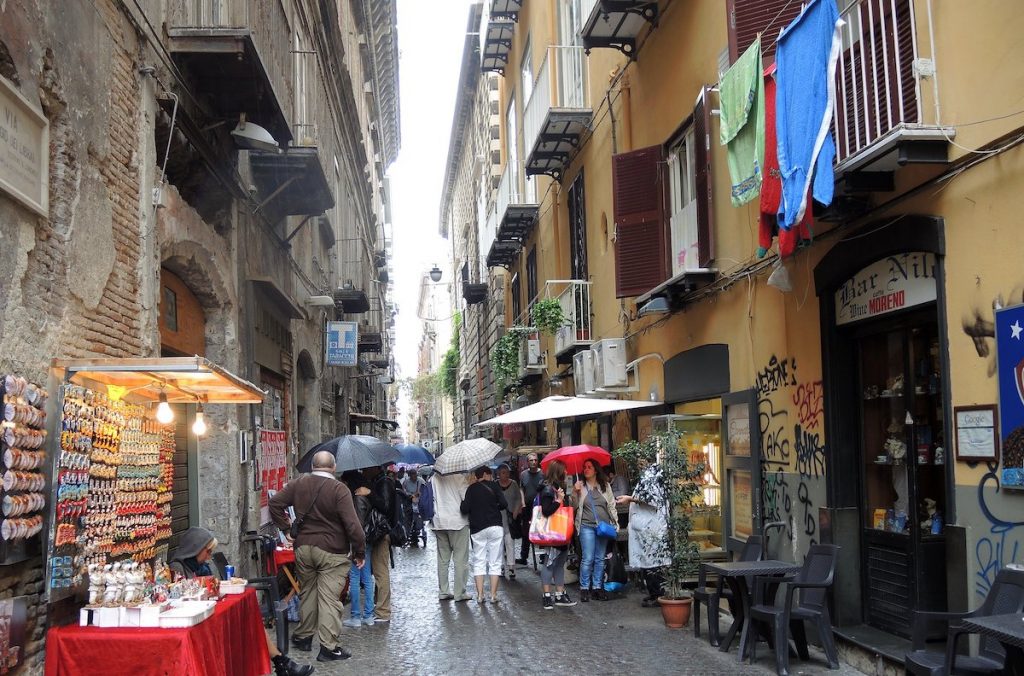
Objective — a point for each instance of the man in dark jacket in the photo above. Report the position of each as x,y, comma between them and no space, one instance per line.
329,537
382,498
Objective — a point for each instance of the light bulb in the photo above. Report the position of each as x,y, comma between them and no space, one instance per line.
164,414
199,426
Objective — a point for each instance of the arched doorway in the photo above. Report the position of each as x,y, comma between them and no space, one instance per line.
182,323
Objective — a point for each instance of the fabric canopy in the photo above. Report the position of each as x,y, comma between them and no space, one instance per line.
564,407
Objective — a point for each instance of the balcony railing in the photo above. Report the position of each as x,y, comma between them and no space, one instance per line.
561,83
574,297
878,80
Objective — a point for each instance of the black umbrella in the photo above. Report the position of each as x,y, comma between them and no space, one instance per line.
353,451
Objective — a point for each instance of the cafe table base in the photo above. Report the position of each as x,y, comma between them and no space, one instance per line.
231,642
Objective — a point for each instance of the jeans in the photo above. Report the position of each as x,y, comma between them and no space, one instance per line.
592,563
552,571
356,577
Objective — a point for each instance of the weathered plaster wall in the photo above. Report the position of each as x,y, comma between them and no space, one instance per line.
70,284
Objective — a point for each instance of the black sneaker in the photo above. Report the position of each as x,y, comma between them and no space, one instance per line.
564,601
585,595
599,595
549,603
338,653
305,644
285,666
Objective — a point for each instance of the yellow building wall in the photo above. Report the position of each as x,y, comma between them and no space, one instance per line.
774,338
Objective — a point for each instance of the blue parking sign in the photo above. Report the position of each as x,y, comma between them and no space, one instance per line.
342,343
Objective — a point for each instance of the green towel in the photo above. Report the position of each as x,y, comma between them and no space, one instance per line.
741,96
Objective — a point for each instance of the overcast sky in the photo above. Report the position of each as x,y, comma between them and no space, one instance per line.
430,40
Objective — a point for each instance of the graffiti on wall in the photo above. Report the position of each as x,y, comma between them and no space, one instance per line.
1002,541
791,416
1003,544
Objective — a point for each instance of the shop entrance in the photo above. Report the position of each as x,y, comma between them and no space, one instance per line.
903,461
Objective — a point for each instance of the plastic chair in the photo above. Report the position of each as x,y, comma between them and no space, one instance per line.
712,596
813,581
1005,596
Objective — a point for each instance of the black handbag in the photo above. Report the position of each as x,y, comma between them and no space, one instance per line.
296,525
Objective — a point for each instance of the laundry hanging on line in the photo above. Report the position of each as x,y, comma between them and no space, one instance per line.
741,130
806,56
771,187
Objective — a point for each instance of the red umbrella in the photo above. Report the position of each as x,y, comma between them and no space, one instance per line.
574,457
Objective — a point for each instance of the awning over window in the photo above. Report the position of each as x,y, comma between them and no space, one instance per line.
359,418
183,379
551,408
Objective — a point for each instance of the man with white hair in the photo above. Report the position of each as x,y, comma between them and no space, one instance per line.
329,539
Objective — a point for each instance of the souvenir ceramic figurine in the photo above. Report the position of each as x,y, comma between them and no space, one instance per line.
929,510
96,586
111,590
133,584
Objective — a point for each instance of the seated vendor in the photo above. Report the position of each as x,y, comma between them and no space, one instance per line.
192,558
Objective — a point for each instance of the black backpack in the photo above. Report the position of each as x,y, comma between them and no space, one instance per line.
397,530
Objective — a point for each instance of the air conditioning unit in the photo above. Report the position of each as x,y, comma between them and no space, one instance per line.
583,372
610,363
530,356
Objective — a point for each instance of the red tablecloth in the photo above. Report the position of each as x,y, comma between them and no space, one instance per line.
282,557
230,643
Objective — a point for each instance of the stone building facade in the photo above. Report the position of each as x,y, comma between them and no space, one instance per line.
159,218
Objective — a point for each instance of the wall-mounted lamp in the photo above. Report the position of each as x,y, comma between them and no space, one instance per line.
435,274
654,306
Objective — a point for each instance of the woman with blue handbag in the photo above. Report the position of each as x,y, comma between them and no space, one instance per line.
596,524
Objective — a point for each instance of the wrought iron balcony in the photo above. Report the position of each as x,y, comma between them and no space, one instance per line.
497,44
618,24
514,214
506,9
879,122
577,332
558,112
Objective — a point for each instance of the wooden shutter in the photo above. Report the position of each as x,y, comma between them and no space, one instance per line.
641,253
704,180
747,18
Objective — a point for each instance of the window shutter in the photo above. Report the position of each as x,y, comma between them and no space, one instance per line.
641,258
704,180
747,18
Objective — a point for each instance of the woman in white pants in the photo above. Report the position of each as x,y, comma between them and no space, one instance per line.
483,504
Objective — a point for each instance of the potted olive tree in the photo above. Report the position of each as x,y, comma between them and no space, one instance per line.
670,485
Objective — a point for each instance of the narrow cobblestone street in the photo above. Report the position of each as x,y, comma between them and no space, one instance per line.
427,637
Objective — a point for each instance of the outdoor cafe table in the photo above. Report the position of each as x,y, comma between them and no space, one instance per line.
735,574
231,642
1008,630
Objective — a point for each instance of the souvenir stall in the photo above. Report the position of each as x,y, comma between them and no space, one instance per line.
114,605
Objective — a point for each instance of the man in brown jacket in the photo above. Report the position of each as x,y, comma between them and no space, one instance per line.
329,537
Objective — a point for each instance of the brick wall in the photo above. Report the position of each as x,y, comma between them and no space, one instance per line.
71,283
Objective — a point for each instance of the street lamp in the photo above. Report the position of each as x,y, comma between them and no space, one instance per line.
435,274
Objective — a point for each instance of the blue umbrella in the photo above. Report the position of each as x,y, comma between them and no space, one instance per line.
415,455
353,451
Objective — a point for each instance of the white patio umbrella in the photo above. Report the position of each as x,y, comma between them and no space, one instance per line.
466,456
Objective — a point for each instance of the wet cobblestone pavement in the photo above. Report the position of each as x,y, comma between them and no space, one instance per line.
516,636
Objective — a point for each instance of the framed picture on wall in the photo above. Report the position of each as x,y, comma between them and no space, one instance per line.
976,429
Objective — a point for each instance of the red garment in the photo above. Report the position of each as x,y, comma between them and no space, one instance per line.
230,643
771,185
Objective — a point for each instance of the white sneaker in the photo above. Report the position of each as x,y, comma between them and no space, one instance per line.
368,621
353,622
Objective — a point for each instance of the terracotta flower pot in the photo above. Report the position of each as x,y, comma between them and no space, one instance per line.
675,612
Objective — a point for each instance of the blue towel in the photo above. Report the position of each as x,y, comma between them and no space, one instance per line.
808,50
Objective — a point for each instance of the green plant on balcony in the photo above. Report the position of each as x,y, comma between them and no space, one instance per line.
548,316
450,362
505,356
